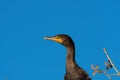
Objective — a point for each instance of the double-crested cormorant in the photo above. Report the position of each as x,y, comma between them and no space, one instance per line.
73,71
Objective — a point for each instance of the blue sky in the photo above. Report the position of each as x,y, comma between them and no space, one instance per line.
25,55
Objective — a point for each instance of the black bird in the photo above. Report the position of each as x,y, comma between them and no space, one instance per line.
73,71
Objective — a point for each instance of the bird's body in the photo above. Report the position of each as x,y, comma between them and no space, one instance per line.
73,71
76,73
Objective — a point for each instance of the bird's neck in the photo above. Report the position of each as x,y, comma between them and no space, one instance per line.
70,60
71,53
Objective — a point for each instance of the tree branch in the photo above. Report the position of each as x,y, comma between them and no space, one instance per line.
108,65
105,51
107,75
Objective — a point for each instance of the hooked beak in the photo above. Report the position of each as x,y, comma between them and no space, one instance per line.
56,39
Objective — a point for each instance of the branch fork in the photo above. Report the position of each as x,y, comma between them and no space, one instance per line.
108,64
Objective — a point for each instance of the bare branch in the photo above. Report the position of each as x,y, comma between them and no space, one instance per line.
109,59
96,69
107,75
114,74
109,65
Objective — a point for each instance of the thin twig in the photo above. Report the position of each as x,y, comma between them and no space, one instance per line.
107,75
114,74
105,51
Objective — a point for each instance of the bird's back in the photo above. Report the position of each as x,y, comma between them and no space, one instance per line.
77,74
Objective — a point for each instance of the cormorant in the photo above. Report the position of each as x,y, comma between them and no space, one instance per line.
73,71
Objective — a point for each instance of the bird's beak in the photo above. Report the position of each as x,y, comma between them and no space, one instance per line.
56,39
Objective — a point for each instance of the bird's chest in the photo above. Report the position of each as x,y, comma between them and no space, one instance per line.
72,76
70,66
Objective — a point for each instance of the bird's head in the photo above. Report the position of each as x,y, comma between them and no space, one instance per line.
62,39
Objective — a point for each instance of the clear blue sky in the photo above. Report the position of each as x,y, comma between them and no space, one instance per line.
25,55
